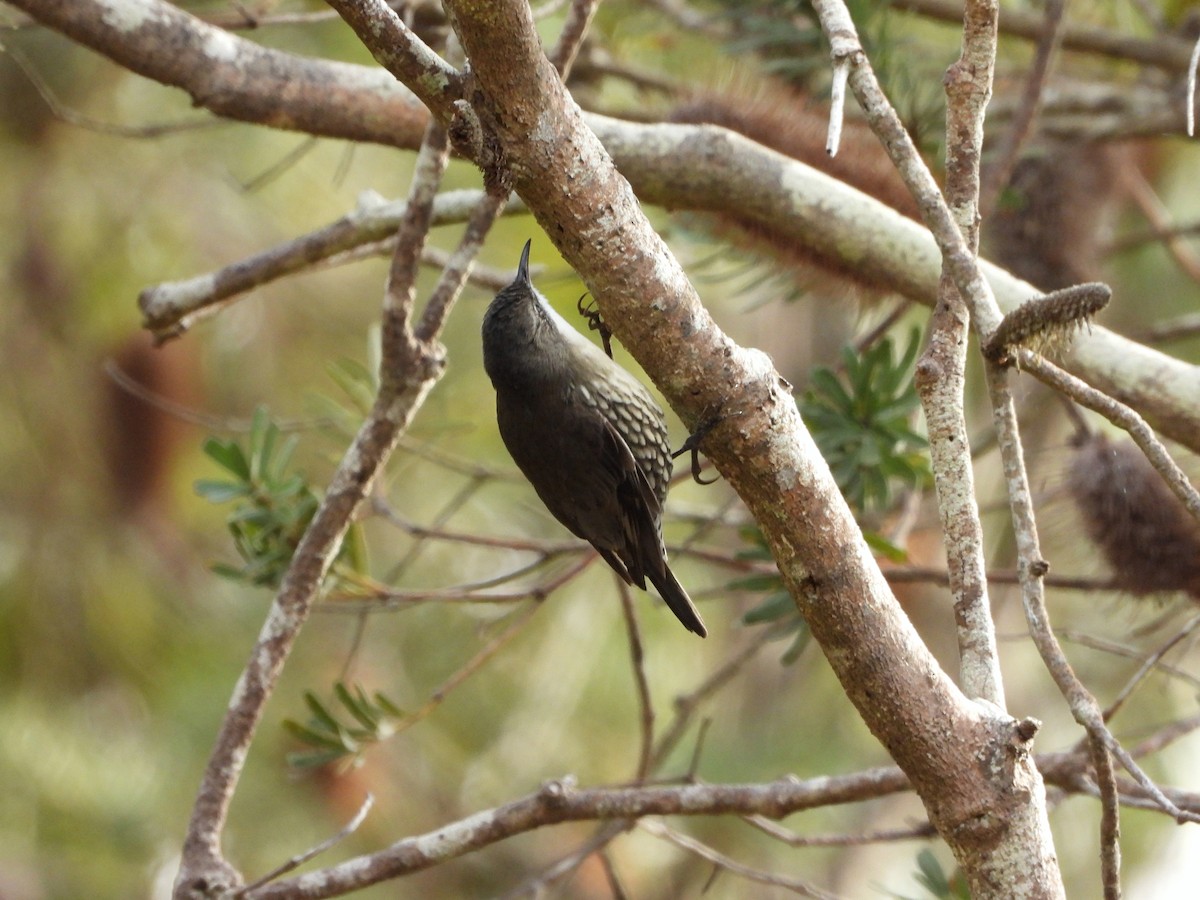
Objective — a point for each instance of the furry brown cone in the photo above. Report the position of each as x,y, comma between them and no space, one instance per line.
1141,528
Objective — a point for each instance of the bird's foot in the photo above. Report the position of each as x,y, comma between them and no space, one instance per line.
596,323
692,445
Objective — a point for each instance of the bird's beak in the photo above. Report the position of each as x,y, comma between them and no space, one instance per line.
523,267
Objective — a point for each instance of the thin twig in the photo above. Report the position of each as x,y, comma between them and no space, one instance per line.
794,885
183,413
449,508
458,268
564,867
1165,736
1193,65
411,375
1159,217
1123,650
887,835
171,308
570,39
63,112
1149,665
1020,127
1164,52
911,574
645,702
1120,415
385,599
610,873
485,653
300,859
940,375
686,706
1110,821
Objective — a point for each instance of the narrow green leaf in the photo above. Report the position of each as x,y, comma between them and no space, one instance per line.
220,491
774,607
885,548
390,708
229,456
357,705
319,712
766,582
313,759
799,643
315,738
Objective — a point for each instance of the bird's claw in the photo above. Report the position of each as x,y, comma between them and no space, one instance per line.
596,323
692,445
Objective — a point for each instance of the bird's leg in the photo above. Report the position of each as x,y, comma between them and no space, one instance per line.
693,442
596,323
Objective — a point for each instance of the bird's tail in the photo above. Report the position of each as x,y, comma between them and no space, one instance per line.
676,598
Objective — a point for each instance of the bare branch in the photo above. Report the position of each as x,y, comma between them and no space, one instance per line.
171,308
1122,416
1193,65
579,17
236,78
559,801
641,683
1021,125
410,371
795,886
888,835
1164,52
1110,822
398,49
300,859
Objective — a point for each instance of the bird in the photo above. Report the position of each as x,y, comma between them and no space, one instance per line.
586,434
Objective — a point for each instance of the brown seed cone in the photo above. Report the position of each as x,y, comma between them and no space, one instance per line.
1150,541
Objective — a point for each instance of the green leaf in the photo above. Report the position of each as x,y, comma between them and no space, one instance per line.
315,737
229,456
356,381
313,759
357,705
764,582
263,434
319,712
220,491
283,458
860,422
390,708
930,874
885,548
775,606
224,570
799,643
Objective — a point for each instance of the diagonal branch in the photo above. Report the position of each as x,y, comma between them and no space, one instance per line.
560,801
410,371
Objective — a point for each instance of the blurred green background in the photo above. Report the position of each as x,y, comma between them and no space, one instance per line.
119,648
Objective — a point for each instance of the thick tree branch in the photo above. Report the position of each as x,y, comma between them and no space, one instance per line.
676,166
986,857
234,77
559,801
569,183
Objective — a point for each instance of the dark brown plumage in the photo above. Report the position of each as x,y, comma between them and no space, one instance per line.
587,435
